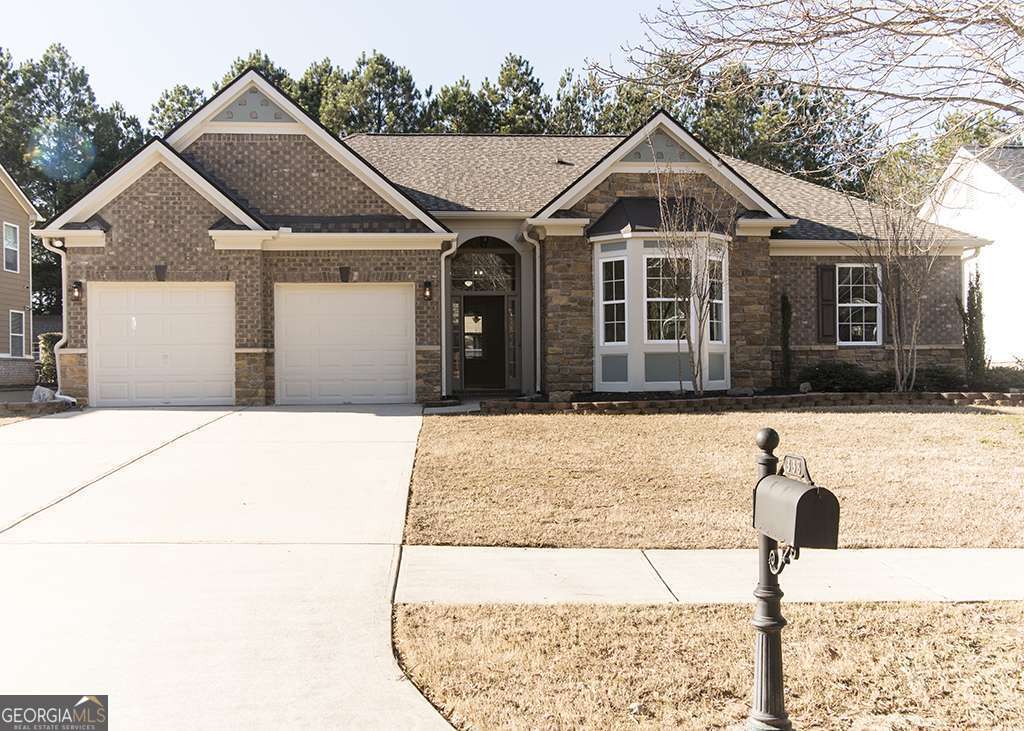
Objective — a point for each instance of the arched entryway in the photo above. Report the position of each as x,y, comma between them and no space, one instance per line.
486,316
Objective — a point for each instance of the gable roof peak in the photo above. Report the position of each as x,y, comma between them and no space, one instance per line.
192,126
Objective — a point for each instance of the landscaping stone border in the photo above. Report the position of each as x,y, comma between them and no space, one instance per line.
756,403
27,408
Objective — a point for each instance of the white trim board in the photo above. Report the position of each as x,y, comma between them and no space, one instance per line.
286,240
156,151
200,122
749,196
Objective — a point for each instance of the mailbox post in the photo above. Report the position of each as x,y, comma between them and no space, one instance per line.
798,514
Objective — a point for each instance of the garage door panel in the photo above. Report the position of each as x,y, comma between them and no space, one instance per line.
346,343
161,343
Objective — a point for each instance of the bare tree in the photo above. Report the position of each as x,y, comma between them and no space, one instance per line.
909,63
903,249
692,235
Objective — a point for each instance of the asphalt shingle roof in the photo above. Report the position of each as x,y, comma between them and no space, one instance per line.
481,172
452,172
1008,162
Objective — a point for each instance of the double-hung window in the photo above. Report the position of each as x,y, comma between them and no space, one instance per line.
716,309
12,250
858,304
613,301
666,298
16,321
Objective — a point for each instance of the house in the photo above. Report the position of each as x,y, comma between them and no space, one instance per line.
982,193
17,214
252,257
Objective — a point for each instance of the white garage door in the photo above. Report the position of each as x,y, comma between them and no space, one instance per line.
164,343
344,343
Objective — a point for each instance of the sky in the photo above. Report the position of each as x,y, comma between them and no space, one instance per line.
132,51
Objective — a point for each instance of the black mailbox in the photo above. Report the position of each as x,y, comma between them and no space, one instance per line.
796,513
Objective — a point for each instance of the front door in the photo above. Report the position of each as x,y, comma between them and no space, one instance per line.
483,341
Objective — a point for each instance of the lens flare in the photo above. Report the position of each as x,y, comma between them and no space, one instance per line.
62,150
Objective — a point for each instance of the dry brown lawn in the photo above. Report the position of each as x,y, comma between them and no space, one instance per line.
938,477
848,666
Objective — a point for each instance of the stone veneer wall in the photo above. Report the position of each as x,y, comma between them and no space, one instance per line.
160,219
567,312
941,338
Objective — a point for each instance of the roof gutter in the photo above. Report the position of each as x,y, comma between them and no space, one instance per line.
536,304
59,345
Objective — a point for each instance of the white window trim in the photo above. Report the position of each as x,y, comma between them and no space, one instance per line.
671,341
17,247
725,298
624,301
877,305
11,334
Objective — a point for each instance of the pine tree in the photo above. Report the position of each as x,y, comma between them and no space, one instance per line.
173,106
974,331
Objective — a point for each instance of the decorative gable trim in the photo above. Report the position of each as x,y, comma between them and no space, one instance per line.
156,151
661,121
201,120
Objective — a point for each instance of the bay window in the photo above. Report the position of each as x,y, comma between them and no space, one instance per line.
716,310
666,298
640,286
613,301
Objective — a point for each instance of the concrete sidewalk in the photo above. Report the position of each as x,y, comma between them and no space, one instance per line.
468,575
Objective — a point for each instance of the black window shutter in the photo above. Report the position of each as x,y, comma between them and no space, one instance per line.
826,303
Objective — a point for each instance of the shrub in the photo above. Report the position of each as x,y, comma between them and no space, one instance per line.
938,378
1002,378
47,375
974,331
838,375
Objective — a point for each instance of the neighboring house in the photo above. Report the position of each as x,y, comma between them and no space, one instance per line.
982,193
17,215
251,257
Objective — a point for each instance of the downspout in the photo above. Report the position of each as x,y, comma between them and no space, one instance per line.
60,252
536,305
445,314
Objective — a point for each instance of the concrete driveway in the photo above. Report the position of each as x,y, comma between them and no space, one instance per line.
209,568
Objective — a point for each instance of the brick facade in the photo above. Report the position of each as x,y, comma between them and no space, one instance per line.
940,340
291,175
160,219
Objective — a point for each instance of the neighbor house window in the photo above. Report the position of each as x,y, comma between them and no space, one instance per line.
666,298
12,252
858,304
17,331
613,301
716,311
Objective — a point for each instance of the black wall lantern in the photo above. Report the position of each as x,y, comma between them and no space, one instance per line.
76,290
428,290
